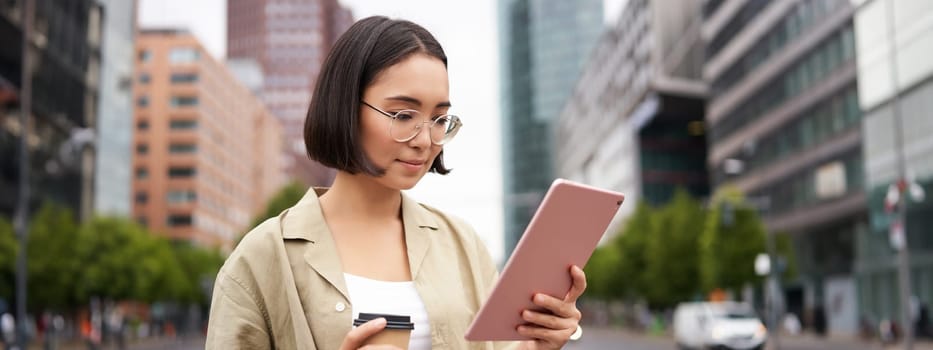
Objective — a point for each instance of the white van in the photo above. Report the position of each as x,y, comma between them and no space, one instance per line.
721,325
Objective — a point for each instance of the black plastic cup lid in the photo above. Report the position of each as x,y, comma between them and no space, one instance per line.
392,321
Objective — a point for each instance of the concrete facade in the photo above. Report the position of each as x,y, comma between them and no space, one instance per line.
207,153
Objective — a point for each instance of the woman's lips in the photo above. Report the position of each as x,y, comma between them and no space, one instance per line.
412,164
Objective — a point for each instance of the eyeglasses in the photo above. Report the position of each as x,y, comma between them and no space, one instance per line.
406,124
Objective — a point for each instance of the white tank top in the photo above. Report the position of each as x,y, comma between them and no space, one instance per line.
398,298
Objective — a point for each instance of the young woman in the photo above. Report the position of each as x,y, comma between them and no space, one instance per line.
380,117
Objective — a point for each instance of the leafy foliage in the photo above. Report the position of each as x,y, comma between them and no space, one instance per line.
733,237
106,257
672,270
679,251
599,271
632,244
52,263
8,254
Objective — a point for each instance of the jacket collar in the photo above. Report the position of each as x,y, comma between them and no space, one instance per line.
305,221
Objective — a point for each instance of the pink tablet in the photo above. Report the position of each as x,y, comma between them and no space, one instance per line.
563,232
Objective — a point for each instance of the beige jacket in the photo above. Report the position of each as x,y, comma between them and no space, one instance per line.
283,286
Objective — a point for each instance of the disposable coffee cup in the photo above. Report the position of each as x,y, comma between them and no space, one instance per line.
397,332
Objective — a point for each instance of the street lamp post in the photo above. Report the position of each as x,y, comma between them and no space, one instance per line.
21,219
898,230
773,285
768,264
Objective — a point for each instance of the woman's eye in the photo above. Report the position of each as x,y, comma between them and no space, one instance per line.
404,116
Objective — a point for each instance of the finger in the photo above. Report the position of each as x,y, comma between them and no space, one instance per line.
358,335
556,306
548,321
380,347
579,284
558,337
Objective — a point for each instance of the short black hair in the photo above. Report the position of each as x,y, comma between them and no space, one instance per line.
369,46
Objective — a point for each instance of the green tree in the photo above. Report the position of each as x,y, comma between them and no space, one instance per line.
199,266
8,248
632,244
111,252
122,260
51,263
602,281
785,249
159,275
671,274
734,235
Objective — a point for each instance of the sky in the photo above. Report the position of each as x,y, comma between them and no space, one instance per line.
468,32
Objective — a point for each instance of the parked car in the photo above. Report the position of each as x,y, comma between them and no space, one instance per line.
718,325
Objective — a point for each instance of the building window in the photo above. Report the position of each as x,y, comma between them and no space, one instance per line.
145,56
180,197
836,115
814,185
142,173
142,197
182,148
144,78
142,125
184,101
179,220
178,172
183,55
183,124
142,149
142,221
734,26
810,69
184,78
142,101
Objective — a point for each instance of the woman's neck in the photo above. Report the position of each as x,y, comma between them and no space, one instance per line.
359,196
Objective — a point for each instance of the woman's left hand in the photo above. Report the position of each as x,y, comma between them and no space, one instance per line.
552,330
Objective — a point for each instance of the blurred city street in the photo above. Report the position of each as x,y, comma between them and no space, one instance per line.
595,338
182,344
613,339
185,343
775,157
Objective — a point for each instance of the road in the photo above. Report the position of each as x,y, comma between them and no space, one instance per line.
187,343
180,344
593,339
605,339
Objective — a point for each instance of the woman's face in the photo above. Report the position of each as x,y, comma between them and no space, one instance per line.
418,82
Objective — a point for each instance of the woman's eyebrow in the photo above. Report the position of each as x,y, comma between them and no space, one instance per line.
415,101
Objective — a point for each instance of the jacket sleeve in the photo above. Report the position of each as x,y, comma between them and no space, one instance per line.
236,319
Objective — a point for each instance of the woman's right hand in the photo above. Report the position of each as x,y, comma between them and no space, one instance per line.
354,340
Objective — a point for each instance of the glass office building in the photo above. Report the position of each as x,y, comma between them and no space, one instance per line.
785,127
65,55
634,121
910,79
543,45
112,185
